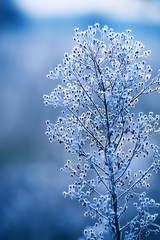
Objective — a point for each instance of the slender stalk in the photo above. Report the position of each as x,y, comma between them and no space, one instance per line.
113,190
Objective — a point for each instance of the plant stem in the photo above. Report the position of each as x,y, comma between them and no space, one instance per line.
113,191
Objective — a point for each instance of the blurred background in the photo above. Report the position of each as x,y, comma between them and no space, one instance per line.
34,35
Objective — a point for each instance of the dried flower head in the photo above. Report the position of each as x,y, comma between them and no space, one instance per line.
100,83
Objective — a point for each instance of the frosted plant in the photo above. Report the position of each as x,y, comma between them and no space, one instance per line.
102,80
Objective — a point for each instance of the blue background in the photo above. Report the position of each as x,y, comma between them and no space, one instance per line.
31,204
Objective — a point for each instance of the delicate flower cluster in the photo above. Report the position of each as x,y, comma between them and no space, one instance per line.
102,81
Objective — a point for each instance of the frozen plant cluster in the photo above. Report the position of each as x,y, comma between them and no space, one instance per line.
100,83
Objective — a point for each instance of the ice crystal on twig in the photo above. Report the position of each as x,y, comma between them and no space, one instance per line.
100,83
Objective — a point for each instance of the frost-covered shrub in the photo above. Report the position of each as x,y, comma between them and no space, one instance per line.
100,84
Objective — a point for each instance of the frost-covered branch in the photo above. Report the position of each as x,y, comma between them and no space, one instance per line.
100,83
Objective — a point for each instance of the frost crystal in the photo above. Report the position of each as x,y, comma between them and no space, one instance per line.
100,84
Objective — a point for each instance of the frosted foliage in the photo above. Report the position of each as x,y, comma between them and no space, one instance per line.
100,83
